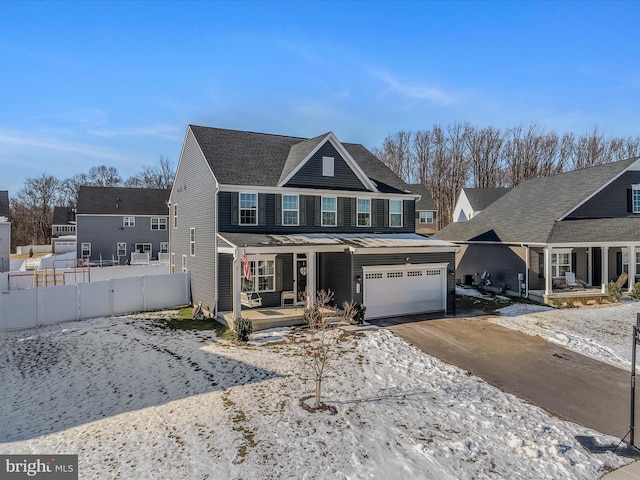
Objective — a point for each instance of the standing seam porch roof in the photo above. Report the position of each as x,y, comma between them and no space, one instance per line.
529,213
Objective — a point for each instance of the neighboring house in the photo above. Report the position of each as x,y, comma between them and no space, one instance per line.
63,230
260,220
122,225
473,200
5,232
586,222
425,211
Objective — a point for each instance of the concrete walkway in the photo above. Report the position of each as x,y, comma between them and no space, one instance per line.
566,384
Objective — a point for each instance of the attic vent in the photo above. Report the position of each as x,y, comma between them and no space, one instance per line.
327,166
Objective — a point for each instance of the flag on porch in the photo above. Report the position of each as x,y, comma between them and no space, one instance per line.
245,265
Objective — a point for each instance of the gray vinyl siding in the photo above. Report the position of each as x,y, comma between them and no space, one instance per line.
611,202
105,231
269,299
310,174
335,274
309,218
400,259
5,247
503,263
194,193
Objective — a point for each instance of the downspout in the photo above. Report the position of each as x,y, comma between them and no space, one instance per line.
215,250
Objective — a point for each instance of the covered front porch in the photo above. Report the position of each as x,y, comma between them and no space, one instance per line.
578,271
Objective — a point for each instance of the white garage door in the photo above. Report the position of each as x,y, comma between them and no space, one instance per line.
404,289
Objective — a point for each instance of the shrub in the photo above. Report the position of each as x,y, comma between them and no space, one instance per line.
599,300
556,302
242,329
584,300
614,292
635,291
570,302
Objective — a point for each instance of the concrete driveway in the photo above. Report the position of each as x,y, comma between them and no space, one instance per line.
564,383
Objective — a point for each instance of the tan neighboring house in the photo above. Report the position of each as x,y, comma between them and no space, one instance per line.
426,212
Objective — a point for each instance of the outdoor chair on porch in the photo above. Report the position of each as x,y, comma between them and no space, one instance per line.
571,281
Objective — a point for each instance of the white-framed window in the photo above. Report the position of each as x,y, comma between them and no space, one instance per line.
426,217
248,209
164,247
85,249
192,241
329,211
122,249
144,248
395,213
363,210
637,264
635,198
173,263
560,263
175,215
129,221
158,223
327,167
263,274
290,210
184,263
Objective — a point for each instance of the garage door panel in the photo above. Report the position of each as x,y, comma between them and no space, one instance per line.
403,290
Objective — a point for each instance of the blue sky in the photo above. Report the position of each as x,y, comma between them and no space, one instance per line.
116,83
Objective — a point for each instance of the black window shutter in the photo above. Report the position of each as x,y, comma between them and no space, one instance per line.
340,212
629,200
278,273
540,265
262,209
574,261
278,209
302,205
386,213
353,212
234,208
317,217
374,212
618,263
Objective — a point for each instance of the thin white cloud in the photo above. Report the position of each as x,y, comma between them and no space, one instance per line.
171,132
419,92
14,140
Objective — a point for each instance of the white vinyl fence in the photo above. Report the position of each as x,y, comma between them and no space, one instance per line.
81,301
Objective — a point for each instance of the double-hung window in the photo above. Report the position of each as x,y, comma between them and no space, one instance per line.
129,222
248,209
175,216
122,249
192,241
329,211
263,275
85,250
426,217
560,263
290,211
158,223
363,212
635,198
395,213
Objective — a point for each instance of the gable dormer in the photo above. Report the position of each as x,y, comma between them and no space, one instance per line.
323,162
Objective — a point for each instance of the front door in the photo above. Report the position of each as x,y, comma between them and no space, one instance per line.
300,276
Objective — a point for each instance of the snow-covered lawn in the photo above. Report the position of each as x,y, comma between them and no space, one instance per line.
137,401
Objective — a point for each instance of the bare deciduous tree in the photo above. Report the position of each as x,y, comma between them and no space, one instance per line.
33,210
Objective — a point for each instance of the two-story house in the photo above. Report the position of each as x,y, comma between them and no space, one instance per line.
426,211
259,220
472,201
5,232
122,225
585,223
63,230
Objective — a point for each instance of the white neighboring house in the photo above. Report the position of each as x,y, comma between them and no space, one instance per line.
473,200
5,232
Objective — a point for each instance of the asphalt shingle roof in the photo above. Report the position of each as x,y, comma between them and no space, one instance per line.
481,198
426,202
529,212
261,159
122,201
63,215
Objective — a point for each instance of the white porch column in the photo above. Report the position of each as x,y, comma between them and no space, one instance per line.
605,268
589,267
311,278
237,286
632,266
548,274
